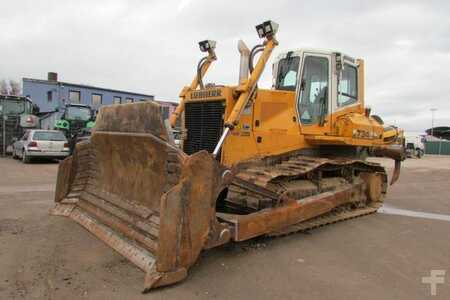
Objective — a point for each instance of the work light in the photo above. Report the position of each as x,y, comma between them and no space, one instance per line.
207,45
267,29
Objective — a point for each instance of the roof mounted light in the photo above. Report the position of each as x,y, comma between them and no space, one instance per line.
207,45
267,29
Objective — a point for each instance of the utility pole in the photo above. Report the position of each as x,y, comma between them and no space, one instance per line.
432,119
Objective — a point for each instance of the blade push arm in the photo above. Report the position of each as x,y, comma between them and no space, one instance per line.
249,86
266,30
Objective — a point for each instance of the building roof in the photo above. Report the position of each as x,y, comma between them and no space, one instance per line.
440,132
167,102
84,86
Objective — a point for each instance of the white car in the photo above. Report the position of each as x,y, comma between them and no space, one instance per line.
41,143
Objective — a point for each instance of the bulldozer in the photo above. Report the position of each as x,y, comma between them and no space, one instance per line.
253,162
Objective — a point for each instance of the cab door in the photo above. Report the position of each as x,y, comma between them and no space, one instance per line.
314,94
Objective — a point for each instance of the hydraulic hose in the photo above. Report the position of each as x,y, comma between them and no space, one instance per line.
253,52
199,71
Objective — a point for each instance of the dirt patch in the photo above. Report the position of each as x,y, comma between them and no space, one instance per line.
374,257
11,226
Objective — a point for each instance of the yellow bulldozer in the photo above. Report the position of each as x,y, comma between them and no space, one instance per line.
253,162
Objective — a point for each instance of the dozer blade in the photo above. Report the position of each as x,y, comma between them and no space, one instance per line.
140,194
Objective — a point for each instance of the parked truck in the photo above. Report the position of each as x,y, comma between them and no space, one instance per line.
414,146
17,113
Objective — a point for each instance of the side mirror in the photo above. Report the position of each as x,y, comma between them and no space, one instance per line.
35,109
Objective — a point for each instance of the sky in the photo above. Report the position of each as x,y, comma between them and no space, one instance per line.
150,46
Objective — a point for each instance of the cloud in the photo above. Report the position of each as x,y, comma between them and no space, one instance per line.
183,4
151,46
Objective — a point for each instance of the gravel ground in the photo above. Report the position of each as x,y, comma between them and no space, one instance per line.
381,256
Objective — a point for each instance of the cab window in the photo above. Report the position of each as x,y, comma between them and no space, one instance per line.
348,86
12,107
287,73
313,102
78,113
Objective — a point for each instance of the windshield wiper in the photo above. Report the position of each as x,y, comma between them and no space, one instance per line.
348,95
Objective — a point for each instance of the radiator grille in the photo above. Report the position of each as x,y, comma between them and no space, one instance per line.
204,125
76,126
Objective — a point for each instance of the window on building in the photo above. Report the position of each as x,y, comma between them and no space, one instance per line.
74,96
96,99
49,96
129,100
348,86
117,100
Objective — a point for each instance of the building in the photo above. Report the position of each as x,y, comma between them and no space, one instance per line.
439,142
51,94
441,132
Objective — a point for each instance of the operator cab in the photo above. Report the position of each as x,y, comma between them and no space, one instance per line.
325,82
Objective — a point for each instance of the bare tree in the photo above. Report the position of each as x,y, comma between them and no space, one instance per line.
4,88
16,89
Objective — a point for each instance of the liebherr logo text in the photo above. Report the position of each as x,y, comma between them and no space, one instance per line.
206,94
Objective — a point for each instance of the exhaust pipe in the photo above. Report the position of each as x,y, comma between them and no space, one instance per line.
245,56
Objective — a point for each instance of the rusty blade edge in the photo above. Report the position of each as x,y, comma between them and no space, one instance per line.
135,254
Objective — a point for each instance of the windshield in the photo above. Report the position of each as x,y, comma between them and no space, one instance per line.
12,107
28,107
49,136
287,73
78,113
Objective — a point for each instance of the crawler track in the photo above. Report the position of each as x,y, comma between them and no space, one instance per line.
335,216
270,183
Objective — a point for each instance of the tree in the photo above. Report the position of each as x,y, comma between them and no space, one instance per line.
4,88
15,88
